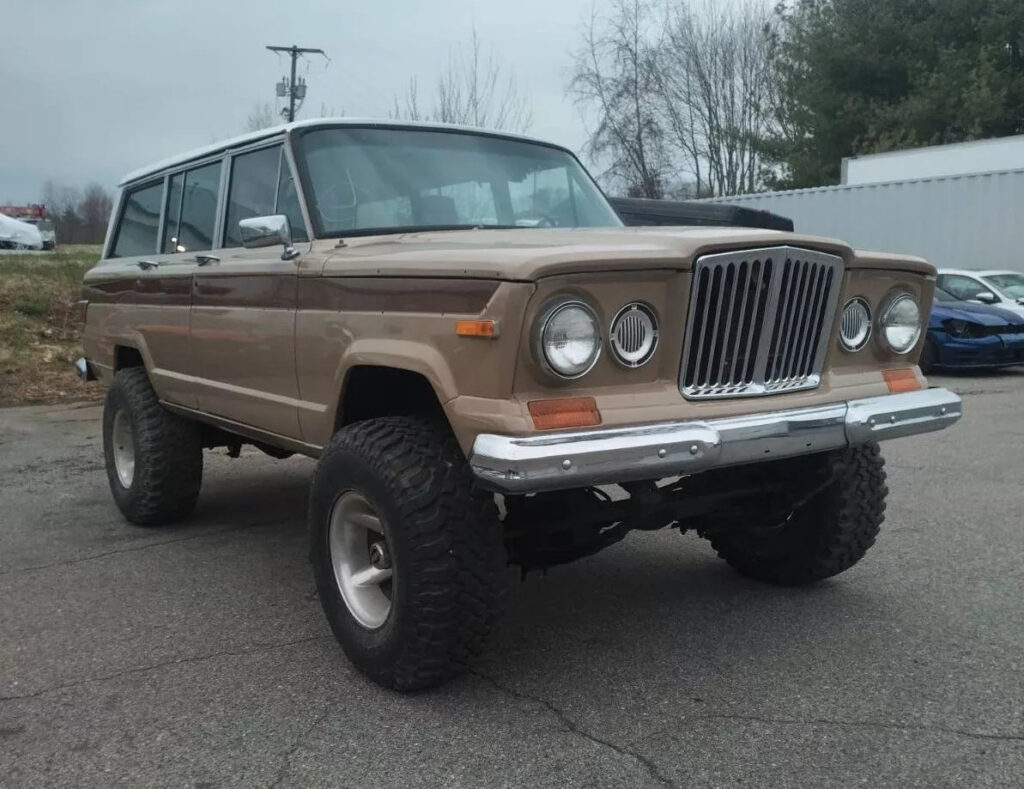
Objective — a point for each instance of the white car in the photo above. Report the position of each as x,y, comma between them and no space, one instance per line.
15,234
1005,289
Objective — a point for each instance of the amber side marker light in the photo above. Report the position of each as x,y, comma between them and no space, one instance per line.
571,412
487,329
901,380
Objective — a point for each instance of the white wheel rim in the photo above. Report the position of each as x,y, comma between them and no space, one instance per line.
360,556
124,448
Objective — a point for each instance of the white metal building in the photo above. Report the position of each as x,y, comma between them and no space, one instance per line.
970,220
962,158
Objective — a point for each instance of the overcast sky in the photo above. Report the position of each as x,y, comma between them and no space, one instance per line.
90,94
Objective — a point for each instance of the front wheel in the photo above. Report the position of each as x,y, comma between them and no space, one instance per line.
407,553
825,535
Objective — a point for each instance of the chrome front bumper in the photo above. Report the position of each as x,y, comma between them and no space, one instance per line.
557,461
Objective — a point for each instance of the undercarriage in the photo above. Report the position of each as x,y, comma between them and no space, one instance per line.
547,529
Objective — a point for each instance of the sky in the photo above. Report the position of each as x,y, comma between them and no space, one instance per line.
90,91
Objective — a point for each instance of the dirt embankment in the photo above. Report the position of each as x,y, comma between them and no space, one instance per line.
39,333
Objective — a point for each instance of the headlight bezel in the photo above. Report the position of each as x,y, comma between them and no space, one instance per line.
869,323
541,325
889,303
619,354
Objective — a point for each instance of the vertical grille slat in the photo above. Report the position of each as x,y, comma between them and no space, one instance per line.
758,322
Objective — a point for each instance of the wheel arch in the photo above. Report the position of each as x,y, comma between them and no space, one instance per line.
371,391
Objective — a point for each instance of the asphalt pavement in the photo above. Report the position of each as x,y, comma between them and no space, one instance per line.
197,656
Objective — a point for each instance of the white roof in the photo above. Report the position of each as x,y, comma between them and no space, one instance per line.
961,158
251,137
977,272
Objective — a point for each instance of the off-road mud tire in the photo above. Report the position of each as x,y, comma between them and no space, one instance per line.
168,454
824,537
445,539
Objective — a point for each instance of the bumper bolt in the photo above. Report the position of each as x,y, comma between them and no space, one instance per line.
662,453
693,449
567,464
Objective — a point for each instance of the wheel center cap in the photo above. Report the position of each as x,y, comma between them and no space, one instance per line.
379,556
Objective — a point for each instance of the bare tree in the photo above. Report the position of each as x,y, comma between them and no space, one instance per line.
78,217
684,92
474,90
715,90
614,75
94,211
261,117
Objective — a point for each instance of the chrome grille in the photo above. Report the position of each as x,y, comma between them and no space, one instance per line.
759,321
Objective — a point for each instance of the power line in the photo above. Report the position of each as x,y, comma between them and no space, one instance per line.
294,88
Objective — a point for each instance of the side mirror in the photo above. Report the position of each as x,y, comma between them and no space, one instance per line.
268,231
987,298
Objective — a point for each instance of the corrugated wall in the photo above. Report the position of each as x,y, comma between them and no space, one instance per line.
968,221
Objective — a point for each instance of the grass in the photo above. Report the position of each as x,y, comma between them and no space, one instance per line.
39,335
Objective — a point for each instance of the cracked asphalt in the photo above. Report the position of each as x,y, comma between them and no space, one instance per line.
197,656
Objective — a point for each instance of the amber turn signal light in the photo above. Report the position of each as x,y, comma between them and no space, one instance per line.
476,329
902,380
570,412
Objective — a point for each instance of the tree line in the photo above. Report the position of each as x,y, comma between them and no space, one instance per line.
706,97
79,216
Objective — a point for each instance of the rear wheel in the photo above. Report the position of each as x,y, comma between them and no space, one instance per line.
154,459
824,536
407,552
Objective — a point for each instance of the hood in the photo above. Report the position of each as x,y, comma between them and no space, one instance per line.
530,254
982,314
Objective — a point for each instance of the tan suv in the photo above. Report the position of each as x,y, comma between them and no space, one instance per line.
492,370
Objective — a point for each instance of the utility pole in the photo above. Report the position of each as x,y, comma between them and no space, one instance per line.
291,88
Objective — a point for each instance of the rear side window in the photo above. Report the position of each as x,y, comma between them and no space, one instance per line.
139,223
253,189
190,225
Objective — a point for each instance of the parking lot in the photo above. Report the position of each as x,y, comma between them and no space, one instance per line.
198,656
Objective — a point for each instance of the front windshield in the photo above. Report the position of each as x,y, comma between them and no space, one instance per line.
361,181
1010,284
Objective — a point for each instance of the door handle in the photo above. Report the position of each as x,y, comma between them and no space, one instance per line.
147,265
206,260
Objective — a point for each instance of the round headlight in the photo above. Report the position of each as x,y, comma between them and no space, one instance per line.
569,339
901,323
855,325
634,335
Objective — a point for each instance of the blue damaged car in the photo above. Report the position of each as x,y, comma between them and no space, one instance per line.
963,334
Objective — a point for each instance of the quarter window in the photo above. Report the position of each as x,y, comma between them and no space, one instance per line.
170,242
288,203
140,219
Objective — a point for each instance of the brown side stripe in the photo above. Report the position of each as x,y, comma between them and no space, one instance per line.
335,294
371,294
